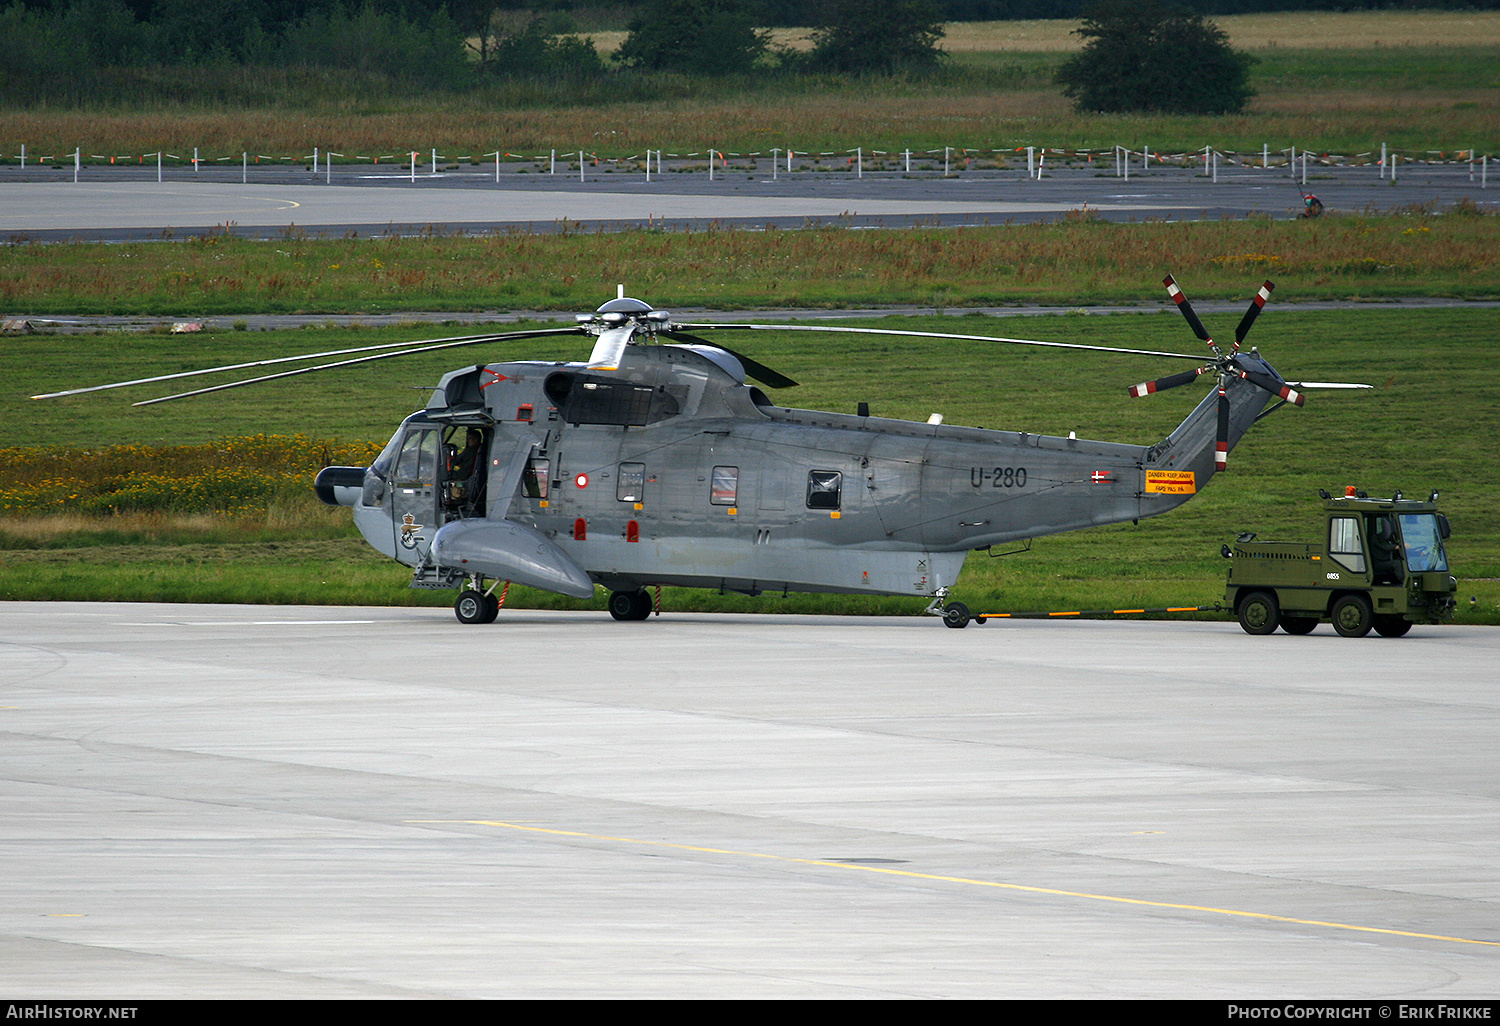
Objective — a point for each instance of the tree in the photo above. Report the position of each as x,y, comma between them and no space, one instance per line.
1149,56
713,37
883,36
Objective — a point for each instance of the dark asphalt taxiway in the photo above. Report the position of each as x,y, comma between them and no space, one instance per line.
118,204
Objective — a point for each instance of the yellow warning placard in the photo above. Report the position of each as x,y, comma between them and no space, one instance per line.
1171,482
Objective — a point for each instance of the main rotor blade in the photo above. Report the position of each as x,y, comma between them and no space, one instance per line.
1146,388
1256,304
757,370
457,339
478,340
936,334
1328,384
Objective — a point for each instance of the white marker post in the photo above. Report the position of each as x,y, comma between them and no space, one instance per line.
244,167
77,160
775,161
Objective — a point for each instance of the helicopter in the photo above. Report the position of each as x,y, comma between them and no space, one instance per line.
657,462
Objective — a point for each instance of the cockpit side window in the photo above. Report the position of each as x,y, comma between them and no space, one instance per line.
417,463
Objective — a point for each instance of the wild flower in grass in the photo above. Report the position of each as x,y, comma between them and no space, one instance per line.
1250,260
234,477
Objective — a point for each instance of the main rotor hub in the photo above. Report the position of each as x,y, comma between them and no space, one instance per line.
626,312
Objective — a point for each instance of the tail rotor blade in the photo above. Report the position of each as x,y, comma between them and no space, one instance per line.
1255,307
1221,443
1187,311
1273,386
1146,388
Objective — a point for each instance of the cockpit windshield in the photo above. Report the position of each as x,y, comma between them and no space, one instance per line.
1423,543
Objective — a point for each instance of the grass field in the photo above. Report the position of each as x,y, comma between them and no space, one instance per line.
1342,83
1069,263
1429,425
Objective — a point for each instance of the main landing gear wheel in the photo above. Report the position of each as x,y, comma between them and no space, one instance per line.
1259,612
476,607
630,605
1352,616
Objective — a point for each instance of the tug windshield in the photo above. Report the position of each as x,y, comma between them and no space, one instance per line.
1423,542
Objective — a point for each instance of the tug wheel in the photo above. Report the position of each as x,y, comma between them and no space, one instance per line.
1392,626
1259,613
1352,616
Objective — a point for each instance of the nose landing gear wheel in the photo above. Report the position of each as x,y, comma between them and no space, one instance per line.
476,607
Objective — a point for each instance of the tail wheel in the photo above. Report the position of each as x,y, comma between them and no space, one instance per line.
1259,612
1299,624
1392,626
956,615
1352,616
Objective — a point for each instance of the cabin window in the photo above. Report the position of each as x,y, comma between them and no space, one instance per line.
1344,543
534,478
824,489
593,399
632,482
725,486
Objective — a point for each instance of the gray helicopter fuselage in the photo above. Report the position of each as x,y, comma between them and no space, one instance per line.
662,466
